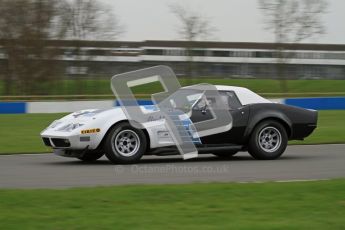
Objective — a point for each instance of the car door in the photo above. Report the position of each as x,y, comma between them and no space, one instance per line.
240,116
239,113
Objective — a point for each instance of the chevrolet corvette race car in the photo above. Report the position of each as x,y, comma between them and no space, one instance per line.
258,126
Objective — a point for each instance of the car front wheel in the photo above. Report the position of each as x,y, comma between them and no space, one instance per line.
268,140
125,144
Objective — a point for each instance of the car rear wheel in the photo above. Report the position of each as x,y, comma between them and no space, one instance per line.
125,144
268,140
91,156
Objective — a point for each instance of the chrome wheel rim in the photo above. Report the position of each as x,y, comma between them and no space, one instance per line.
127,143
269,139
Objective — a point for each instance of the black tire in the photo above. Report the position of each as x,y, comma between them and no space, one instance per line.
91,156
123,151
227,154
262,145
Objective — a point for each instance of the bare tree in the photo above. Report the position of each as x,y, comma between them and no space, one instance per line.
193,26
25,25
292,21
26,28
91,20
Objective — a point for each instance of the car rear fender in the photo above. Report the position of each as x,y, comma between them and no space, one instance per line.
257,117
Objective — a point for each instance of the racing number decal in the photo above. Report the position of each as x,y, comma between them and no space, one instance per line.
87,131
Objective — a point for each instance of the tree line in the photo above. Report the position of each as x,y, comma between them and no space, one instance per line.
26,26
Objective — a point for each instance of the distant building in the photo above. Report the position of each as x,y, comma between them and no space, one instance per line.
210,59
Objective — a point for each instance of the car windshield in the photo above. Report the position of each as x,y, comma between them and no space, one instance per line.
182,99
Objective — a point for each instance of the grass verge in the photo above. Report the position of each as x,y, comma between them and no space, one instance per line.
20,133
330,130
297,205
265,87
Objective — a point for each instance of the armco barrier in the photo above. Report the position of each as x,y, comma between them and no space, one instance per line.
323,103
12,107
67,106
327,103
140,102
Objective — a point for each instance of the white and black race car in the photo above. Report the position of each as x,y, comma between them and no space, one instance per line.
259,126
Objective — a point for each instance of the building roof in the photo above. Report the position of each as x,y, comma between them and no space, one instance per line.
196,44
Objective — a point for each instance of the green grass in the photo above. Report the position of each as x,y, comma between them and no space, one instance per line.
20,133
330,130
297,205
261,86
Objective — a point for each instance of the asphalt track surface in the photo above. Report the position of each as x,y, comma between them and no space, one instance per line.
310,162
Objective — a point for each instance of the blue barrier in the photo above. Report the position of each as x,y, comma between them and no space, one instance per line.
140,102
324,103
12,107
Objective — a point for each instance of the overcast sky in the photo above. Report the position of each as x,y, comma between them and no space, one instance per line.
235,20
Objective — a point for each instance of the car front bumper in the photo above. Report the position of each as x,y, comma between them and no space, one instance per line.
66,140
69,152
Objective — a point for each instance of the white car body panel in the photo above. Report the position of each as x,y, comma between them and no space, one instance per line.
105,119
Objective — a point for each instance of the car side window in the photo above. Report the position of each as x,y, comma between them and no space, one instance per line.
231,99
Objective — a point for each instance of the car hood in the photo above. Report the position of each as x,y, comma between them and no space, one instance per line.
87,116
83,117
